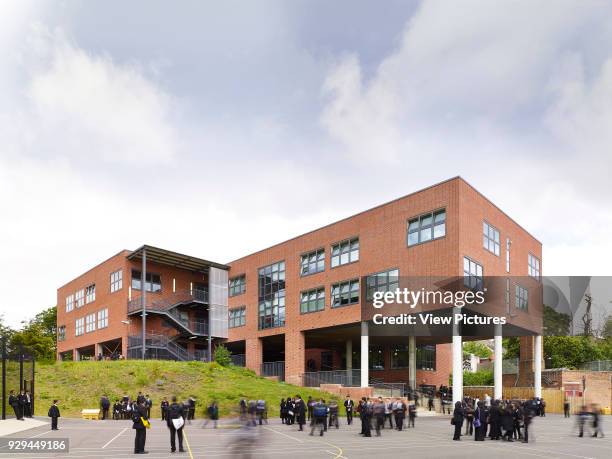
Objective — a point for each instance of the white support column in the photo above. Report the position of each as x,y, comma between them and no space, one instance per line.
537,366
365,346
412,362
497,363
349,362
457,354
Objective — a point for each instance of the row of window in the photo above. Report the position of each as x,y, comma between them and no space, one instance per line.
425,357
87,324
88,294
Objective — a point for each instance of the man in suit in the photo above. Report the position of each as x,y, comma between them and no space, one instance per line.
164,408
349,405
28,404
299,409
23,403
148,405
174,412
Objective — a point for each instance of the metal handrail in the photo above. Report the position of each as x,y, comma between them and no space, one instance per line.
163,341
166,302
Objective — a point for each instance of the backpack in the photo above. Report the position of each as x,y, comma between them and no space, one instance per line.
320,411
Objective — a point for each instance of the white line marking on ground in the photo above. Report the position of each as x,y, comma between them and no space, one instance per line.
114,438
283,434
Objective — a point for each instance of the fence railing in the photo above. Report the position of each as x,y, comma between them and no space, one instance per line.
348,378
238,360
274,369
163,302
598,365
156,341
389,389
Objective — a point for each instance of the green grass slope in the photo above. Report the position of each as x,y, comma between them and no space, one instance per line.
79,385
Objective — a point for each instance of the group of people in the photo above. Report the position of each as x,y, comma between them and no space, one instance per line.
379,412
124,407
508,420
21,404
592,414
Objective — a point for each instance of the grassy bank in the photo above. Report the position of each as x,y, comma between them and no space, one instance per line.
80,384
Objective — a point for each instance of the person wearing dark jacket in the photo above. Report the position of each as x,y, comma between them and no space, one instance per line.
480,422
299,409
349,406
507,422
173,412
138,414
104,406
469,418
495,421
283,410
54,414
14,402
213,414
458,415
23,403
164,408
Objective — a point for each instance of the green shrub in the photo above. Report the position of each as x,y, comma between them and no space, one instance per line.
222,356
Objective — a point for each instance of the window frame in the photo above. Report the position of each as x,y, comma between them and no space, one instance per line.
350,282
116,280
496,244
79,298
419,218
90,322
149,282
348,242
521,297
531,269
319,293
395,348
102,319
271,304
470,275
61,333
90,293
420,360
70,302
240,320
377,276
305,262
239,282
79,325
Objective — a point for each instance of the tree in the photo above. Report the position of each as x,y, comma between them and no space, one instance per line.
39,334
477,348
512,347
571,351
555,323
222,356
587,318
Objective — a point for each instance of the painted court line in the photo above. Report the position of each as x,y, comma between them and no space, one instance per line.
187,442
283,434
114,438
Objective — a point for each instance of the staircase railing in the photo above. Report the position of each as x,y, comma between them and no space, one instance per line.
164,302
154,340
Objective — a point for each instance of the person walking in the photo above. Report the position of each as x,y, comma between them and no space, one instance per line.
430,403
399,412
283,410
528,413
54,414
457,420
319,413
367,413
469,418
566,408
163,408
175,420
349,406
310,405
261,411
140,422
388,413
333,414
379,415
213,414
596,413
412,413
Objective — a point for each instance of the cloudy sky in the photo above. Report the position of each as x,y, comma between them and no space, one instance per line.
219,128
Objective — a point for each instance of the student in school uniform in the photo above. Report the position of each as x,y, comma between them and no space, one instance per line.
54,414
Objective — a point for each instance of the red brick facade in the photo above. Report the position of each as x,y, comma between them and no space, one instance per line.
382,233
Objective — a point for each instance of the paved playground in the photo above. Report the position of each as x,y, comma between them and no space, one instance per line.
555,437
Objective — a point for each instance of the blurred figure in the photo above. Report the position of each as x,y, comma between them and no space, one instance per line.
104,406
388,413
299,408
213,414
261,411
412,413
252,412
596,413
566,408
480,422
528,413
333,414
379,415
319,413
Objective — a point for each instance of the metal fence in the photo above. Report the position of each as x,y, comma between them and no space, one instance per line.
274,369
598,365
238,360
348,378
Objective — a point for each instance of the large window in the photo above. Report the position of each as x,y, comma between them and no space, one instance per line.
103,318
386,281
153,283
427,227
79,326
312,262
426,357
237,285
90,322
472,274
116,281
399,356
69,303
345,293
376,357
79,298
490,238
61,333
272,295
345,252
521,297
90,293
534,267
312,300
237,317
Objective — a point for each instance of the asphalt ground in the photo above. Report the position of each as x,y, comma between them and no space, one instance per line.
550,437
